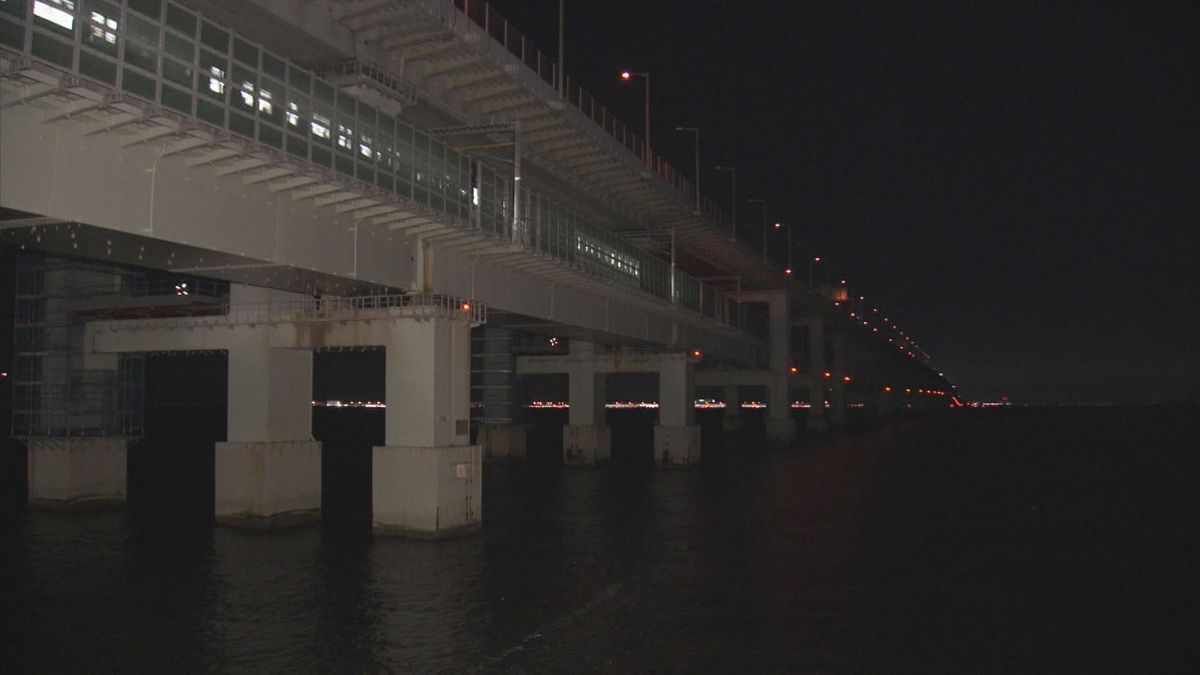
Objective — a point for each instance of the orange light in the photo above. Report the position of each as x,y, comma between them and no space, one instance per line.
908,390
625,75
696,353
794,370
466,306
828,374
817,259
887,390
846,378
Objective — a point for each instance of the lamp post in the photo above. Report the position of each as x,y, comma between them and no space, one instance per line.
696,138
628,76
733,198
562,58
815,260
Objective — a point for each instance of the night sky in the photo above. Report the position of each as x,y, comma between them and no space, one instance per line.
1016,183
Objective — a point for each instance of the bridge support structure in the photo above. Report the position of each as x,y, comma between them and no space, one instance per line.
733,420
676,437
818,421
268,471
587,439
77,473
427,480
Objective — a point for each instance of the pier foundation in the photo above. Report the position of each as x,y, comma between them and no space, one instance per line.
503,443
77,473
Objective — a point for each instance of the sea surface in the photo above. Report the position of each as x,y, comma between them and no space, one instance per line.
1019,541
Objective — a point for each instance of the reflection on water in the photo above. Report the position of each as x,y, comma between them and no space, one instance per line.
1001,541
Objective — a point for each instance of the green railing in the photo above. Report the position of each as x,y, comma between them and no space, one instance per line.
164,54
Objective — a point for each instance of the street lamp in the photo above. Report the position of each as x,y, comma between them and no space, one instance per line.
696,137
562,58
733,198
815,260
628,76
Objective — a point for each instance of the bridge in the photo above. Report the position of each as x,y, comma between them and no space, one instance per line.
266,178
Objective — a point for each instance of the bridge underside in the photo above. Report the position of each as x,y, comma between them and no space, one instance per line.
96,175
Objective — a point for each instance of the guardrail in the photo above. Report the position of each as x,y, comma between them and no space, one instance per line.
166,55
512,40
420,306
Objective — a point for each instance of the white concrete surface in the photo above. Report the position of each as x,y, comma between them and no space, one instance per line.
70,473
268,484
586,444
677,446
427,492
503,443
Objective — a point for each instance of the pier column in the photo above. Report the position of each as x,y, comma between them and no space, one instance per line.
733,420
427,481
817,419
781,426
676,437
837,397
587,440
71,473
268,472
492,377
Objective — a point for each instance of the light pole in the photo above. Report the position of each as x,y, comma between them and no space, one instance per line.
562,53
696,137
815,260
762,202
628,77
733,198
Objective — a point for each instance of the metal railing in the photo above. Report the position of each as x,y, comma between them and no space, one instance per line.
514,42
207,76
420,306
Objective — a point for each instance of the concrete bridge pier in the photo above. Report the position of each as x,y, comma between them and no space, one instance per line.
677,436
268,472
587,440
733,421
818,421
837,394
501,440
781,427
427,481
74,473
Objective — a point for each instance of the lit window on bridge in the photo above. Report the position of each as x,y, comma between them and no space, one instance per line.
320,126
247,94
57,12
345,139
264,101
104,28
364,147
216,80
608,255
293,114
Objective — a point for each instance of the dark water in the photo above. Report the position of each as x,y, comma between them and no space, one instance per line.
1055,541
